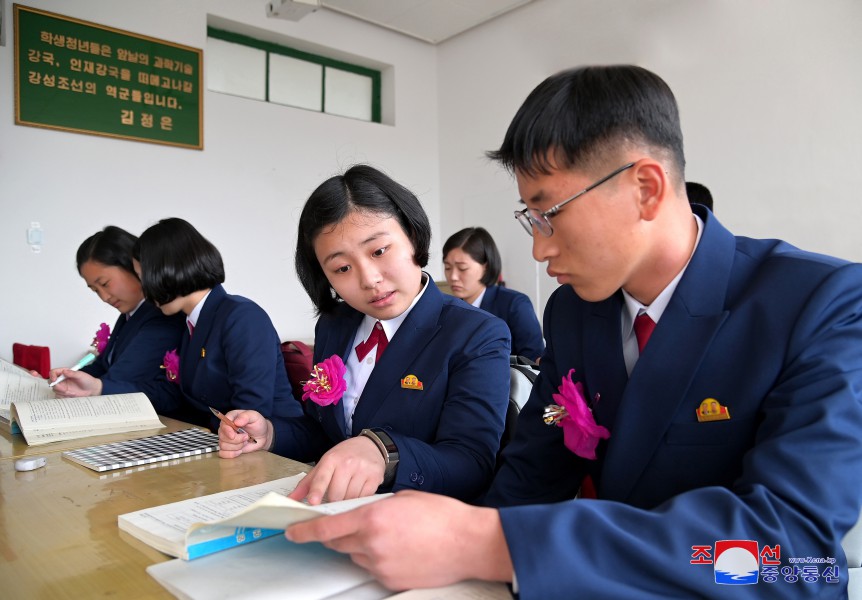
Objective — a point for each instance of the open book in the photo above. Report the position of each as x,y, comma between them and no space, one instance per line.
199,526
17,383
28,405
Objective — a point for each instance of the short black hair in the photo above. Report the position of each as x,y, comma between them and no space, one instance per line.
176,260
111,247
698,194
360,188
580,117
479,244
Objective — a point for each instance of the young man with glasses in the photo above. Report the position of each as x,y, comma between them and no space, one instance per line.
727,443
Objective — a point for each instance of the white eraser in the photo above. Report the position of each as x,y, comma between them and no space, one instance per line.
30,464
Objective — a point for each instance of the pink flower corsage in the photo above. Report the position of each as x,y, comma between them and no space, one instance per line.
171,365
101,338
581,434
327,384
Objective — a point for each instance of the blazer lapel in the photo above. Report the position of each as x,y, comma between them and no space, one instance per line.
338,340
662,376
411,338
115,338
130,327
193,348
604,374
488,299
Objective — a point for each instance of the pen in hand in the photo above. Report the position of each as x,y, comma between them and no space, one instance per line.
232,425
78,366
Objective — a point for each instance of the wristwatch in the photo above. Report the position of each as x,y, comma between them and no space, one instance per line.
387,448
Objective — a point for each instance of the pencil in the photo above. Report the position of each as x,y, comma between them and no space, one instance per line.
232,425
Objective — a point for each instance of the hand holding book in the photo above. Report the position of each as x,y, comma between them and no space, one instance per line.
199,526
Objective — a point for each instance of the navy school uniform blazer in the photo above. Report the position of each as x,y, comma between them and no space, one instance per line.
517,311
447,433
771,332
132,360
234,361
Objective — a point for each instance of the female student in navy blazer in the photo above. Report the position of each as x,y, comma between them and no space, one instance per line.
428,412
230,354
471,263
132,359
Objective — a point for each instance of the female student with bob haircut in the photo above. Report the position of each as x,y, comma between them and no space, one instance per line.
132,358
423,394
472,266
230,355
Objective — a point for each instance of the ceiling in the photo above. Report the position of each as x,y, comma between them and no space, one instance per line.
432,21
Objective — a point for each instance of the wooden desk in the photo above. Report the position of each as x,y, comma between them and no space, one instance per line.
58,525
14,446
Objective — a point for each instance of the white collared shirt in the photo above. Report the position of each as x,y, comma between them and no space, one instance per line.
478,301
633,309
193,317
358,373
132,312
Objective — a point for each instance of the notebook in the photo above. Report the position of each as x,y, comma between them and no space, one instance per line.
146,450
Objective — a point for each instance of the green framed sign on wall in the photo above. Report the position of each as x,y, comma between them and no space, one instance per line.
78,76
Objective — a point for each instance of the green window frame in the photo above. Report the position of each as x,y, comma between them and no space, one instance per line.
272,48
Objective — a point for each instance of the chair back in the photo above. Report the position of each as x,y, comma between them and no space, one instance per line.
522,376
32,358
298,362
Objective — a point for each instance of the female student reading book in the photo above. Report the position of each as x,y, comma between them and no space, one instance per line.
471,263
131,360
411,386
229,355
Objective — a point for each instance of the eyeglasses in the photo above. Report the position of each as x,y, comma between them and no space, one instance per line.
533,217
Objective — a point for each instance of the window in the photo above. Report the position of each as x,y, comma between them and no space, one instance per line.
243,66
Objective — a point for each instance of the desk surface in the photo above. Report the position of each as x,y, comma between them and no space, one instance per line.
14,446
58,525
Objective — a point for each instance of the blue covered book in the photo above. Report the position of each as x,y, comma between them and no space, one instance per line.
199,526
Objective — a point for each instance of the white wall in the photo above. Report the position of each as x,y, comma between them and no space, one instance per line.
244,190
769,94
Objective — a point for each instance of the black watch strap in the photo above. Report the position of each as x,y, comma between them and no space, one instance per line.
388,449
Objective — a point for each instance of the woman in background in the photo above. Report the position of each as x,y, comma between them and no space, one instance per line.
472,266
132,359
229,355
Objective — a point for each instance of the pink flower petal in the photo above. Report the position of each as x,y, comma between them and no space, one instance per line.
171,364
101,339
327,384
581,434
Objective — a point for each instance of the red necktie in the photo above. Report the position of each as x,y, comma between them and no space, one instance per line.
588,488
643,329
191,328
377,338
